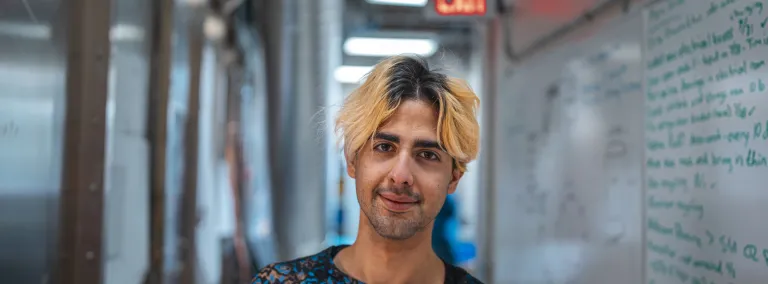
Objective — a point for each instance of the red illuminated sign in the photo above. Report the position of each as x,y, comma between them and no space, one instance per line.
460,7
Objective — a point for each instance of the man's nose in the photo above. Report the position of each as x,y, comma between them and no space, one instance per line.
401,172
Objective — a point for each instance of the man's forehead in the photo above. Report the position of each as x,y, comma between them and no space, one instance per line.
408,132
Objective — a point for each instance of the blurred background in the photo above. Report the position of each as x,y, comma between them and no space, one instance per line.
191,141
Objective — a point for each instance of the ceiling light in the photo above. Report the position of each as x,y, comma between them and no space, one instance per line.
413,3
351,74
371,46
29,31
119,32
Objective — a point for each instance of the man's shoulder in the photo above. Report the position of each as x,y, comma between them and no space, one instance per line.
460,276
296,270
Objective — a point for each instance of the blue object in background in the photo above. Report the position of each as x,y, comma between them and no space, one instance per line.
464,252
444,233
445,239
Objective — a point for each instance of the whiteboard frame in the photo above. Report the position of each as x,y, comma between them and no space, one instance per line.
643,181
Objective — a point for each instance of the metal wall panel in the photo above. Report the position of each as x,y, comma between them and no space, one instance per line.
296,95
32,92
126,194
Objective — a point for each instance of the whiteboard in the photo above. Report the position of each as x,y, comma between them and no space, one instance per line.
706,133
569,165
599,203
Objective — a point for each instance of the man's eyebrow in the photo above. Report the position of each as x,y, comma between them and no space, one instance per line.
386,136
427,144
420,143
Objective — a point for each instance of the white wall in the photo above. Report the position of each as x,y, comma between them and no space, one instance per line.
127,169
209,190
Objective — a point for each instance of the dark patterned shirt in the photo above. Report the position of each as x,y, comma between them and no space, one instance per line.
319,268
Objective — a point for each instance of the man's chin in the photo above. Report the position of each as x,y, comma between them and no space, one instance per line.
395,227
395,237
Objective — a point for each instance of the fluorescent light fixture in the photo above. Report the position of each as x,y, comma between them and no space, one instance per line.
372,46
119,32
30,31
351,74
413,3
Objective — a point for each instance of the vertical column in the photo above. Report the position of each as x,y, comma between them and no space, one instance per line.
492,34
158,124
189,190
80,243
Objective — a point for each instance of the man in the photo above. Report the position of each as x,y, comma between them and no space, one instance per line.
408,135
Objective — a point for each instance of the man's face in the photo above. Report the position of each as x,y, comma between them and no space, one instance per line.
402,177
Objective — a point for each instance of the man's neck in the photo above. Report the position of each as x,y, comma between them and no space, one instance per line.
375,259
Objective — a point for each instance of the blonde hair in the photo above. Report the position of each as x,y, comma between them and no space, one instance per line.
401,78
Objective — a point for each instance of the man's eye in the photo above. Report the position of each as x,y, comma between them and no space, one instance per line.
429,156
383,147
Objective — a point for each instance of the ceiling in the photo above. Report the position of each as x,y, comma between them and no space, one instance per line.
363,17
529,22
28,11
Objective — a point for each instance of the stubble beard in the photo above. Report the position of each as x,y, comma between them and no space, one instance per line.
392,225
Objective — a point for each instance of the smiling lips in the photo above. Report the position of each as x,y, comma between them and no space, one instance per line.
398,203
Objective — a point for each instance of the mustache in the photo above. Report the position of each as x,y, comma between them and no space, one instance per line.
405,190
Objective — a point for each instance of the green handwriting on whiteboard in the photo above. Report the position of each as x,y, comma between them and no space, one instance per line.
672,184
681,234
664,250
709,266
691,208
727,244
657,13
716,267
688,208
736,136
694,46
655,226
750,252
716,6
666,124
732,110
669,163
696,140
765,256
654,111
654,145
653,203
661,268
653,163
751,9
677,231
721,96
737,110
751,158
668,184
760,131
662,94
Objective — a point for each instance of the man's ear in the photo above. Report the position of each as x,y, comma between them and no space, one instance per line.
350,165
456,175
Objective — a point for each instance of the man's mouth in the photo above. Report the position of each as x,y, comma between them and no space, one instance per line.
398,203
